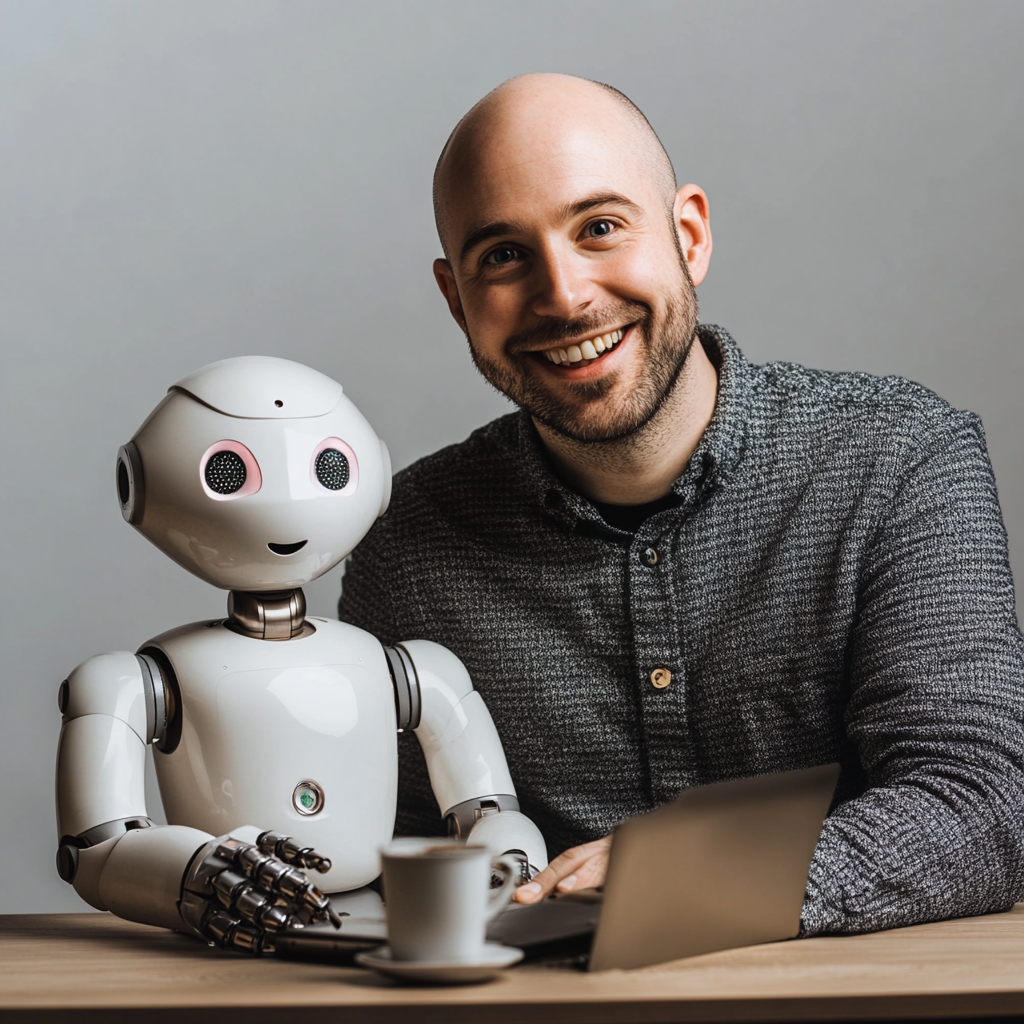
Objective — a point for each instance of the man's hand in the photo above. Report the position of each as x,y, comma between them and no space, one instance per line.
582,867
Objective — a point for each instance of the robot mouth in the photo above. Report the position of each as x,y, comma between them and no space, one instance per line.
287,549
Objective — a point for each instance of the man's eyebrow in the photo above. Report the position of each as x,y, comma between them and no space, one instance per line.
598,199
566,212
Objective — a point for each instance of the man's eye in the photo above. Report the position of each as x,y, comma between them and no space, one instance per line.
600,228
497,257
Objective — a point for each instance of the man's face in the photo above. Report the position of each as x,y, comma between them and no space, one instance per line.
568,275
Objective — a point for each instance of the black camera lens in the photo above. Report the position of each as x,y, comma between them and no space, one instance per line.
225,473
332,469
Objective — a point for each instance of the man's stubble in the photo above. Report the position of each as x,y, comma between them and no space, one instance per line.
666,347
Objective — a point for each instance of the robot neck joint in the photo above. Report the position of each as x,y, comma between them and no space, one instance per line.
279,615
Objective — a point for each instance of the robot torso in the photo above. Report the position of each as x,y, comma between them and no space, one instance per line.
299,737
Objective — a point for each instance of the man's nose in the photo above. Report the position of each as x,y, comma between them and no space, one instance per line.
563,289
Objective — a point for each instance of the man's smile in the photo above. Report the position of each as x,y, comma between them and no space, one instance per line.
586,350
582,354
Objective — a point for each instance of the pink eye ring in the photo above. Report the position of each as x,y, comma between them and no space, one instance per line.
334,467
229,470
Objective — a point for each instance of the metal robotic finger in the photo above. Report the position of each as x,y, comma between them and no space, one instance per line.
292,852
241,896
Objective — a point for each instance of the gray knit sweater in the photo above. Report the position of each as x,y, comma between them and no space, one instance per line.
833,585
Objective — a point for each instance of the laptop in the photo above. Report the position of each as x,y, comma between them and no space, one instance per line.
722,865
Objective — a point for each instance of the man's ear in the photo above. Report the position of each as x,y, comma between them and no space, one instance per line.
446,282
692,222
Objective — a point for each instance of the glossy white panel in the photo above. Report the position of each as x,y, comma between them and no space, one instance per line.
100,774
260,718
109,684
141,879
263,387
511,830
91,863
463,753
465,759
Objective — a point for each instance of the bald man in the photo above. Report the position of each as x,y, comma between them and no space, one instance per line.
672,567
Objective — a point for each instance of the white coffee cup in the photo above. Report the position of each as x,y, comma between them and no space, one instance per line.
438,899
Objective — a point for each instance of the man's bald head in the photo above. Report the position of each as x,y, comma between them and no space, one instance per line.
545,106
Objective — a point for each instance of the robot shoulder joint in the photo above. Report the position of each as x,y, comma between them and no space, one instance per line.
140,690
426,676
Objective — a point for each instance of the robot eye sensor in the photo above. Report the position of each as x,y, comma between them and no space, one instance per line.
130,490
228,470
334,467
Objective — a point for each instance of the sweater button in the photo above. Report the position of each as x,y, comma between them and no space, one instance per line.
649,556
660,678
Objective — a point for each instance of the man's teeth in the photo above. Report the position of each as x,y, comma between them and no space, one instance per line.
589,349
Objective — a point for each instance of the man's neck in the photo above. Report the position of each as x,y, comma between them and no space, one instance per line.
644,466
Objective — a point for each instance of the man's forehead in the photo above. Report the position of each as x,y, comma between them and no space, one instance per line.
537,145
504,180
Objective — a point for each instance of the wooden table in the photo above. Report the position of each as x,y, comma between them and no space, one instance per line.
94,967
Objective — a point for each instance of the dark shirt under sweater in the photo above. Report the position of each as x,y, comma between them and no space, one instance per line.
833,583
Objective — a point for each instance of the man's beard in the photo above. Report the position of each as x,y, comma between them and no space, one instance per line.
666,347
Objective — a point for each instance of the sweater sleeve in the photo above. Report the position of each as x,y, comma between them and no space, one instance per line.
935,709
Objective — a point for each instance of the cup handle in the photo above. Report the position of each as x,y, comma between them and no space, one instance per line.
500,898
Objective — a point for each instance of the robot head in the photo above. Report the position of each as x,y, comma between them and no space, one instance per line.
255,474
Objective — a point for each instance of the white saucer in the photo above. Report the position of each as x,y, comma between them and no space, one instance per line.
495,957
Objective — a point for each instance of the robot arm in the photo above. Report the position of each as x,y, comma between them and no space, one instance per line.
238,890
465,760
109,717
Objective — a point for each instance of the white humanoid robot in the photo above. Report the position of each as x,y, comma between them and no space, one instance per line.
275,735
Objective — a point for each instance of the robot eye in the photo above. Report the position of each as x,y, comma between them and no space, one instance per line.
225,473
229,470
332,469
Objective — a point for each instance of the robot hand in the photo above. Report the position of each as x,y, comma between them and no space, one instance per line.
524,869
240,895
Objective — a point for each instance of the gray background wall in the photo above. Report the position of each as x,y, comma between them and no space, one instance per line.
180,182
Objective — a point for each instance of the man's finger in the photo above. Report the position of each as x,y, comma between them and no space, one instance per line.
545,881
564,864
574,862
590,874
